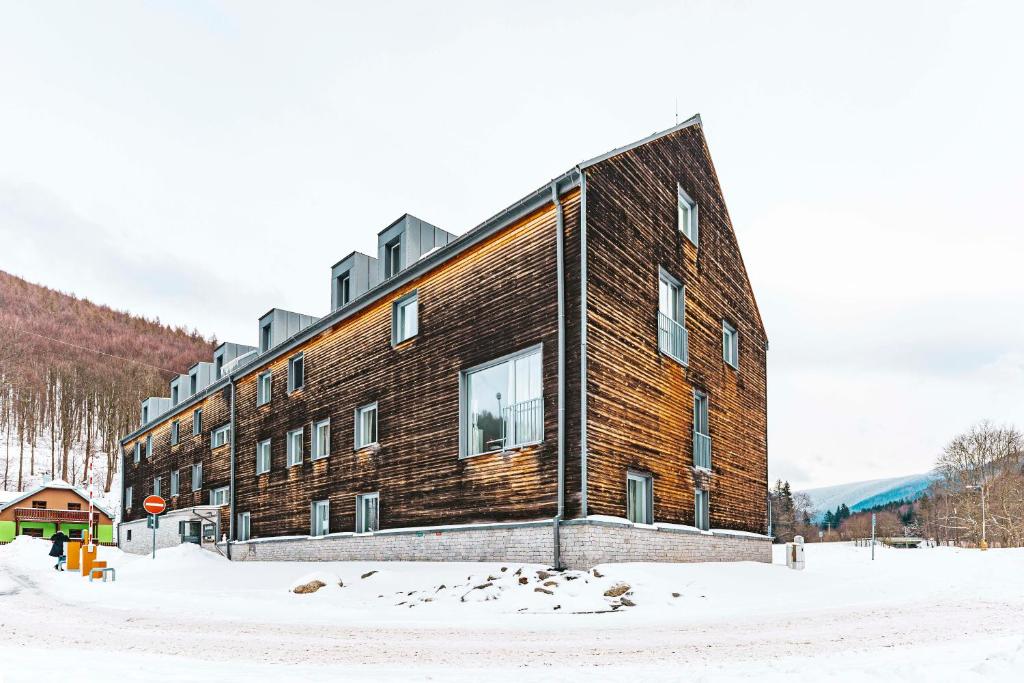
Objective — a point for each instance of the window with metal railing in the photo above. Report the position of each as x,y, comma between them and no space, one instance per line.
672,338
503,405
701,434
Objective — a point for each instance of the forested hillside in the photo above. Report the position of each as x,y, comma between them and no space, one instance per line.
72,375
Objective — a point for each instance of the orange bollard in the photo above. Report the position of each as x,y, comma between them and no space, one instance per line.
96,565
74,548
87,560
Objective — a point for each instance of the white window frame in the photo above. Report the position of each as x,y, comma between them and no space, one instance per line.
394,246
149,446
672,318
314,519
197,476
156,485
361,526
465,423
175,432
215,436
320,450
294,446
222,493
266,336
399,309
343,286
197,421
647,482
137,456
702,509
730,345
297,358
264,387
687,215
701,414
244,532
360,440
263,457
128,490
175,483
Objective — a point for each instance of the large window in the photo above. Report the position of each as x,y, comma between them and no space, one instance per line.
321,439
393,257
296,372
263,456
672,337
321,515
219,496
701,510
197,422
219,437
503,404
244,530
367,513
197,476
366,425
295,447
639,498
405,318
687,215
263,388
174,483
701,434
730,345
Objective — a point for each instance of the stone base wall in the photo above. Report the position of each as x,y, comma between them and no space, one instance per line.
584,543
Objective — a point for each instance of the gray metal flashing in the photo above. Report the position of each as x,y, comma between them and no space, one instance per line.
498,221
693,120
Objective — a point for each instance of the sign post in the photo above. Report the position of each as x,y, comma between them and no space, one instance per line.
154,505
872,536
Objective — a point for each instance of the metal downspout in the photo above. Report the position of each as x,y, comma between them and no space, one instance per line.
560,252
231,485
583,343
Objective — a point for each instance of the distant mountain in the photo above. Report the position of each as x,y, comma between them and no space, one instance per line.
861,495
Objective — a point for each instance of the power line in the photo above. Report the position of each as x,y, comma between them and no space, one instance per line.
86,348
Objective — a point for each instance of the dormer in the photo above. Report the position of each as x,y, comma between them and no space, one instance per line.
404,242
224,354
200,376
153,407
352,276
278,325
179,389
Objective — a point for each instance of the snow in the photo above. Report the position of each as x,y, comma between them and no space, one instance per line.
928,614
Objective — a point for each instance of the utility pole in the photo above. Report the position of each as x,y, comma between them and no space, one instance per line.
873,537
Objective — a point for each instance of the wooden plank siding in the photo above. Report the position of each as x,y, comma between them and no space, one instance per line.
640,402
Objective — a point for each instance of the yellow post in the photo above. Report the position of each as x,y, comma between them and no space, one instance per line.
88,557
74,548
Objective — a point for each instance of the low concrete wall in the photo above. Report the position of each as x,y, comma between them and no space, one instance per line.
584,543
141,541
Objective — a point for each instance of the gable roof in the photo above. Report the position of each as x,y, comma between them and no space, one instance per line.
55,484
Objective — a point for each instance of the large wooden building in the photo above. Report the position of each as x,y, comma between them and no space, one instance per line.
437,413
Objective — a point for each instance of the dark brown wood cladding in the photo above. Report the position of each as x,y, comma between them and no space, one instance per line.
640,401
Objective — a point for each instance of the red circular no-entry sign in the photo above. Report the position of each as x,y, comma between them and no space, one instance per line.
154,505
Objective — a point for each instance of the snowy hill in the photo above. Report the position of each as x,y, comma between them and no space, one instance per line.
861,495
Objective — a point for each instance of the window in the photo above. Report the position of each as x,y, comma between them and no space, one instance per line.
174,433
129,535
366,425
39,504
174,395
405,318
343,288
701,435
263,456
74,506
687,215
75,534
730,345
145,414
263,389
197,476
219,496
218,366
673,340
393,257
156,486
639,498
701,510
197,421
295,447
321,515
503,404
296,372
128,498
321,439
367,513
149,446
243,531
138,452
219,437
265,337
174,483
193,384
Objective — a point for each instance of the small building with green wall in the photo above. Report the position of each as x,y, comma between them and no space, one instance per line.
55,505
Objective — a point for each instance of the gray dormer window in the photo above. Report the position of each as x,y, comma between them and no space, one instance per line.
393,257
145,414
193,383
174,395
343,289
218,366
265,337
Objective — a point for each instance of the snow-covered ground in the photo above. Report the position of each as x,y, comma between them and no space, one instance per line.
937,614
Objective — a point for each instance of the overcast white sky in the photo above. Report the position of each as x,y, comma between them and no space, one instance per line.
202,162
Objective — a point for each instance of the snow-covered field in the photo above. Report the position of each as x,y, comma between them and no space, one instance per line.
926,615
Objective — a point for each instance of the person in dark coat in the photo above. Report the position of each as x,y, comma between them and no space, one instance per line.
59,539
